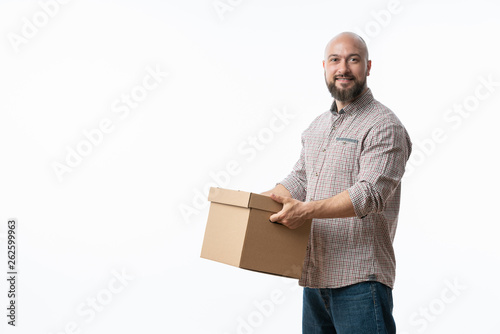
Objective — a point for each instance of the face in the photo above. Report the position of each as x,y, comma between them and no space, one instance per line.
346,68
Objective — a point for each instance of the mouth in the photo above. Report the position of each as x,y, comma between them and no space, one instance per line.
344,79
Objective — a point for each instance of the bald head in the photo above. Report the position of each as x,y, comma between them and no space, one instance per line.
348,38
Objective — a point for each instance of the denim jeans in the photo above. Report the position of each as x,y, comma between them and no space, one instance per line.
363,308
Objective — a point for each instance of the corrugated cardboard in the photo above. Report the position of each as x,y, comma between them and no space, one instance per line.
239,233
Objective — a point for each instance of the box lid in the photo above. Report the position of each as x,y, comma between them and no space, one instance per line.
243,199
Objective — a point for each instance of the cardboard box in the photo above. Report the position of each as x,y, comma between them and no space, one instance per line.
239,233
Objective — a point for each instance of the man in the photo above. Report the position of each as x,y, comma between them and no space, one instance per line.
348,181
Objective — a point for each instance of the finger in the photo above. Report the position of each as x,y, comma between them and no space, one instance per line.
273,218
277,198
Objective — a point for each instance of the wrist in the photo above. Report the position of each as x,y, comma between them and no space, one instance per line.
309,209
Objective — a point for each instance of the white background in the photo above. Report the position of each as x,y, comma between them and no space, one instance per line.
132,204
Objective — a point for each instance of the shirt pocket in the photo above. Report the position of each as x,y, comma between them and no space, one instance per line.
342,157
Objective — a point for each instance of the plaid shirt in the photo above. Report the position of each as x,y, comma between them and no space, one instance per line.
362,148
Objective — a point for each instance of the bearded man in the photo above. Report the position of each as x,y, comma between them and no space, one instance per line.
348,180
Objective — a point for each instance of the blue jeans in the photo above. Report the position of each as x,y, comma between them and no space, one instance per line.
363,308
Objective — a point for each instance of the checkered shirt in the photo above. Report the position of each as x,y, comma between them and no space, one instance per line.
362,148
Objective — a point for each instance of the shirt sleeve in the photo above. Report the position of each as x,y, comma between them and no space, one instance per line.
382,163
296,181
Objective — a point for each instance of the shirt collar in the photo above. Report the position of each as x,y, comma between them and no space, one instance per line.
357,104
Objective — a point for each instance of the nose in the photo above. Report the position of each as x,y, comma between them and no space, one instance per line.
342,68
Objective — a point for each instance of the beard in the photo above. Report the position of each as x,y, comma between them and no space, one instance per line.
346,94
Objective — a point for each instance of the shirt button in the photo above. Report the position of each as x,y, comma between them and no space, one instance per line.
324,150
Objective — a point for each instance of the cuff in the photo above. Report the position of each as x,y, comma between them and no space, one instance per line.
295,188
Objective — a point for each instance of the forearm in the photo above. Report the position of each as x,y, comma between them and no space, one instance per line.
338,206
295,213
278,190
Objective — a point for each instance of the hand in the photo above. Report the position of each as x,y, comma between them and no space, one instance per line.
293,214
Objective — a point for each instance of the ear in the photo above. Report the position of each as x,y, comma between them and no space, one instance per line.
323,64
368,67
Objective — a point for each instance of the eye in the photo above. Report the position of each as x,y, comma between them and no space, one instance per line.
333,59
354,60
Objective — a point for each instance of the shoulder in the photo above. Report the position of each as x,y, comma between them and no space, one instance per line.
380,115
376,119
321,118
385,126
320,122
